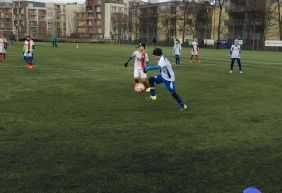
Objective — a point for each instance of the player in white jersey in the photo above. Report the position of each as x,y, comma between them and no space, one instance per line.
166,77
177,52
28,49
235,55
141,59
3,47
194,51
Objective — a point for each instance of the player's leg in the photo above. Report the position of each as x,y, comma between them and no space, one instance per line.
179,100
177,60
25,59
197,58
29,62
136,75
152,80
196,55
231,64
191,58
240,65
143,77
170,86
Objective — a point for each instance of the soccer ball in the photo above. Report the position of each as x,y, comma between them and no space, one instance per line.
139,87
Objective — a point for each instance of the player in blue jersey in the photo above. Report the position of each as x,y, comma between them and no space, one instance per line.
235,55
166,77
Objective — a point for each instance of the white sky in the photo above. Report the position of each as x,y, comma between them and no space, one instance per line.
64,1
78,1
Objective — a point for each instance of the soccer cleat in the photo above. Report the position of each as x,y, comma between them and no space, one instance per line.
151,98
184,108
30,67
230,71
241,72
148,90
190,60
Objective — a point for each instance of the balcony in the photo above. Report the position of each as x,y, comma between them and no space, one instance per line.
235,8
233,23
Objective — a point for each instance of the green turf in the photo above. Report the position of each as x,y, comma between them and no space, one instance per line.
74,124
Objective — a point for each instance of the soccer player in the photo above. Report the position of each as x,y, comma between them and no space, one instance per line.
141,59
194,51
54,40
177,52
166,77
28,52
3,47
235,55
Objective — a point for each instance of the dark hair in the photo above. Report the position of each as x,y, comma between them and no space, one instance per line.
141,44
157,52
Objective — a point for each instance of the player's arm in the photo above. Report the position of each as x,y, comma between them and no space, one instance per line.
153,67
128,60
231,50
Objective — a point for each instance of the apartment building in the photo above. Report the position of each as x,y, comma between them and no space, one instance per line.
71,9
91,20
30,18
115,21
168,21
56,19
246,21
6,16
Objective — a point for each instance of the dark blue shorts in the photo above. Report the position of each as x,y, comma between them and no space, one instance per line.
169,85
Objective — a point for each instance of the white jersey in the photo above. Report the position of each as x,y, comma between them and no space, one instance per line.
177,49
140,59
235,51
194,50
194,46
3,41
166,70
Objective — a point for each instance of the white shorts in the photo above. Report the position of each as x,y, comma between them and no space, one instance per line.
194,53
138,73
2,50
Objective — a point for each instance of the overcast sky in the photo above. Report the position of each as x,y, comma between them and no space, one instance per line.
65,1
78,1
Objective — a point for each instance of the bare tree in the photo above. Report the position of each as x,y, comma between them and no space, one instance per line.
184,8
254,22
133,22
118,20
189,12
220,4
203,20
279,16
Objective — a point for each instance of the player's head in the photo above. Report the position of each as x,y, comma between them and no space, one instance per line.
157,52
177,41
141,46
236,41
28,38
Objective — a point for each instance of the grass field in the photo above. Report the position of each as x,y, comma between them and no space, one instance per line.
74,124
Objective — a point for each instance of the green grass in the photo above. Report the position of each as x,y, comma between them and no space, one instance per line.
74,124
